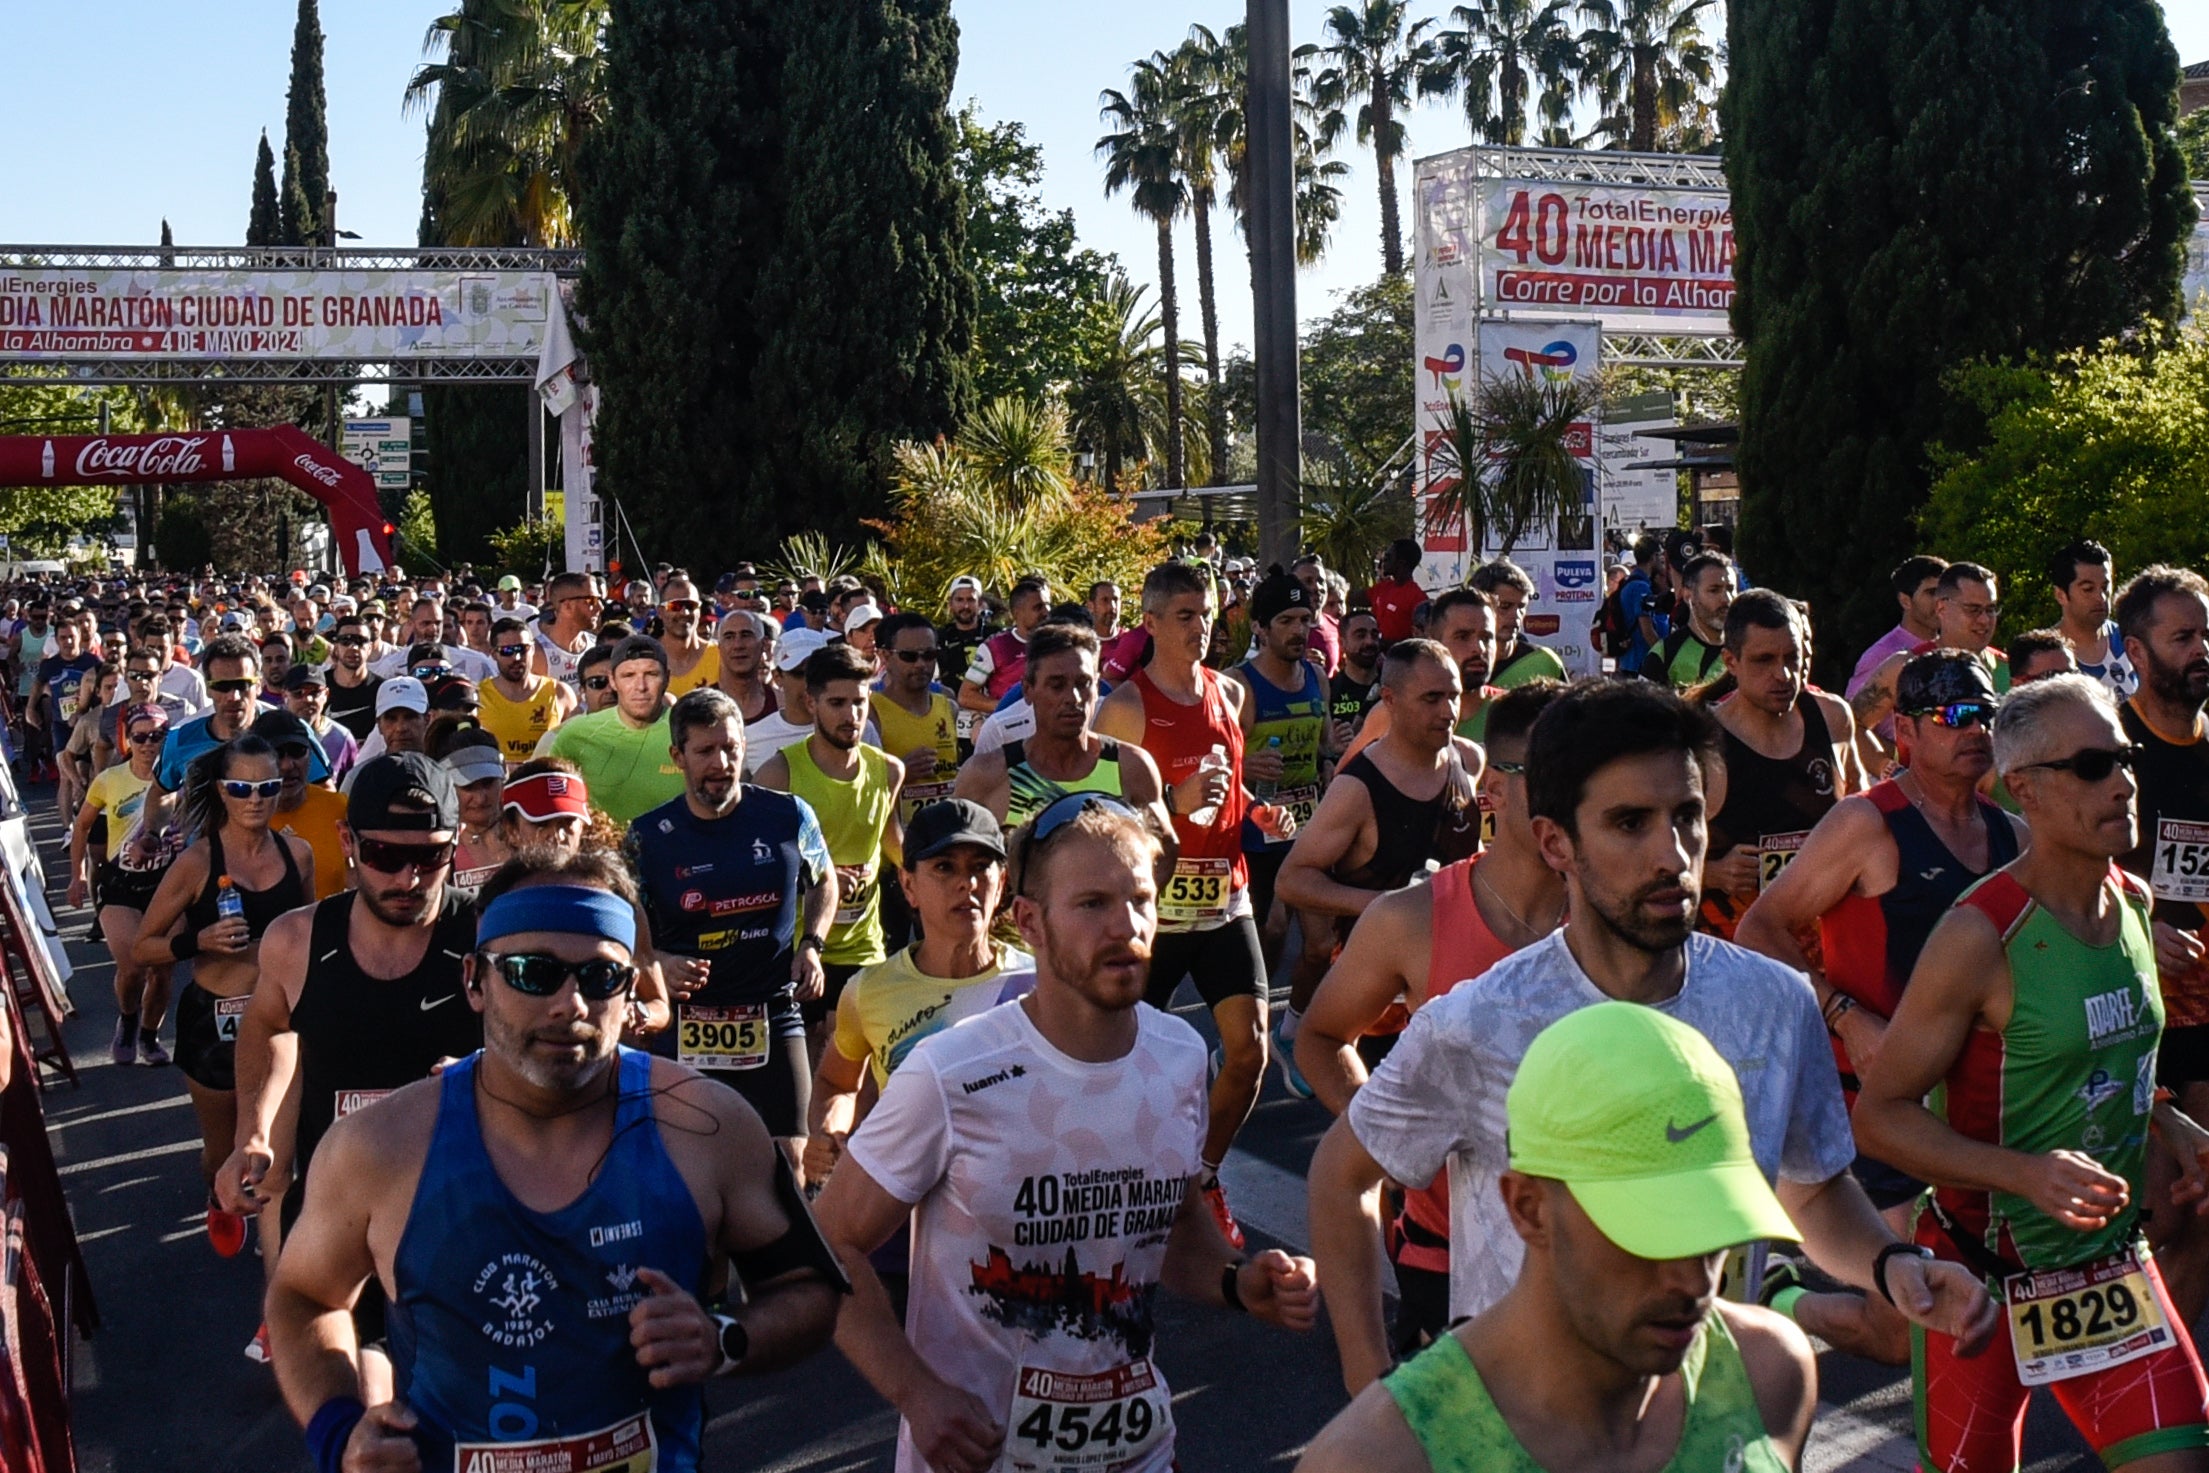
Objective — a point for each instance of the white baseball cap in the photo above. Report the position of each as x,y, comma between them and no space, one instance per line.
860,615
964,580
402,693
796,647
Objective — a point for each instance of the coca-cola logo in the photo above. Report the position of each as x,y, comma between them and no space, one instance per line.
327,475
162,455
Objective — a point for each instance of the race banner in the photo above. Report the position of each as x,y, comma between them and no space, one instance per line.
1645,259
343,315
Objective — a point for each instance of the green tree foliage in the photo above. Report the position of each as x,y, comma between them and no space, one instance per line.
306,132
1374,55
1648,63
2110,443
1142,155
1498,60
417,525
1035,286
1116,404
476,461
1916,187
265,225
2193,141
1357,377
530,548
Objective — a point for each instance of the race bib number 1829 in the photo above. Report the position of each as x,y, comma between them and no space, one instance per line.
2075,1321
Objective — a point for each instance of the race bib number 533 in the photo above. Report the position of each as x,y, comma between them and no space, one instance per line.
1196,895
1063,1421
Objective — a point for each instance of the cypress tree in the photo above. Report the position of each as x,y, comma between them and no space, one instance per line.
1917,184
306,132
265,225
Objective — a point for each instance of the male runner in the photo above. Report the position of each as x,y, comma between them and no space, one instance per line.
1285,746
1463,622
740,891
1047,1154
958,639
792,719
309,809
1355,687
1790,755
1396,592
547,1217
1063,754
1413,945
1611,1349
352,687
692,659
915,715
746,643
567,625
2039,653
1689,655
2084,581
233,670
426,625
517,705
1615,779
1190,721
999,659
2034,1013
622,751
306,696
1965,609
1518,659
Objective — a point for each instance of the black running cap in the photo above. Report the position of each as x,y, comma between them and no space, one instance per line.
402,790
1943,678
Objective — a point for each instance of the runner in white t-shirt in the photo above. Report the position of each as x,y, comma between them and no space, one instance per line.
1046,1152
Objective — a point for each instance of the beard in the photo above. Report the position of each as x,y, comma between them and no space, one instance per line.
1631,922
402,907
554,1075
2178,685
1087,974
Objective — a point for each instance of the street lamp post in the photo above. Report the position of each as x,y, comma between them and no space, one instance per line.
1273,280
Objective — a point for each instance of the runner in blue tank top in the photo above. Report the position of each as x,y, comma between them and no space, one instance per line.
550,1219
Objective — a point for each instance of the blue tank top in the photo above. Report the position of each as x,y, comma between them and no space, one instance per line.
512,1326
1292,722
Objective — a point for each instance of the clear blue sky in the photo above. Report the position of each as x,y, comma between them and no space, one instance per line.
126,111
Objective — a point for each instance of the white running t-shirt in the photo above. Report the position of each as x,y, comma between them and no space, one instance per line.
1044,1191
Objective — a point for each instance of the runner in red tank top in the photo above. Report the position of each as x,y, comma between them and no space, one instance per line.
1409,947
1190,721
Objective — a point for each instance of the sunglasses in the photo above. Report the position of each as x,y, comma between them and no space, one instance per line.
147,738
1957,714
512,651
679,605
1057,816
140,674
2094,764
597,682
914,657
233,687
240,789
1508,769
388,858
430,672
350,642
534,975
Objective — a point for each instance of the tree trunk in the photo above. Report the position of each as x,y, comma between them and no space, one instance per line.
1644,139
1170,310
1215,411
1392,225
1514,99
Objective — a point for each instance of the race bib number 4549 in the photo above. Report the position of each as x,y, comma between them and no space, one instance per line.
1064,1421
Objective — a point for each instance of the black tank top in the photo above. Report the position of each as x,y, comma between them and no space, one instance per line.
1443,828
261,906
1768,797
361,1037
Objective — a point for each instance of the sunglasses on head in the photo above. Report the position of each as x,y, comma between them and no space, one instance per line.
1058,815
388,858
512,651
535,975
233,687
1957,714
239,788
2094,764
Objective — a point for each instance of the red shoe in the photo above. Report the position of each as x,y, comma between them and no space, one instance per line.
256,1349
1215,1197
226,1231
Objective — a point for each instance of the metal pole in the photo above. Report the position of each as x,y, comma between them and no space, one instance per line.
1273,280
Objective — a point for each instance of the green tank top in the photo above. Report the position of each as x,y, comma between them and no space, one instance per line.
1441,1395
1029,792
2073,1071
851,816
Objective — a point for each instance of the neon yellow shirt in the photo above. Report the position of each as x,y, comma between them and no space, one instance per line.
903,733
629,772
892,1005
117,794
852,814
706,672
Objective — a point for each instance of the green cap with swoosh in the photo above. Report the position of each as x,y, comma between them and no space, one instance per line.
1638,1115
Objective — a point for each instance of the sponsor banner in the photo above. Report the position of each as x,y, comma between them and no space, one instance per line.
356,316
1638,500
1641,258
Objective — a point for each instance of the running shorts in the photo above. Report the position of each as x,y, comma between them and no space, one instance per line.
834,976
1971,1413
2183,1056
1265,872
131,889
781,1089
1224,962
207,1057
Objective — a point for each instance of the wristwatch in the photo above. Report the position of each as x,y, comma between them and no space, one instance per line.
809,939
736,1343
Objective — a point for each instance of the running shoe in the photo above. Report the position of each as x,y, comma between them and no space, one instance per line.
150,1051
256,1349
225,1230
124,1048
1215,1197
1285,1050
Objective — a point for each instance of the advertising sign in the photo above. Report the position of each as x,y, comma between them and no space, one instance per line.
1643,258
382,447
1638,500
355,316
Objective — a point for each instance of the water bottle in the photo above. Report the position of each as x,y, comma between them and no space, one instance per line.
1214,761
1263,788
228,902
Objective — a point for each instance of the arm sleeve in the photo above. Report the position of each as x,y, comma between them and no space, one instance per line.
1819,1143
981,665
1410,1115
812,845
905,1143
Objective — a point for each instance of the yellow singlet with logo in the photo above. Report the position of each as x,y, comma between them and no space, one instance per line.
519,725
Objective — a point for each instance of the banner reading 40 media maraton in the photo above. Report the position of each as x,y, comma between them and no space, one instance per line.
356,316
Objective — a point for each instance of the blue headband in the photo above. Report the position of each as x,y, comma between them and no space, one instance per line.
573,910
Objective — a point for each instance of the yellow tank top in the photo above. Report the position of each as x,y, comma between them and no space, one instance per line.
903,734
851,815
706,672
519,725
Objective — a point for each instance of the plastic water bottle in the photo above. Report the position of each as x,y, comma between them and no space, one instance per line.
1214,761
228,902
1263,788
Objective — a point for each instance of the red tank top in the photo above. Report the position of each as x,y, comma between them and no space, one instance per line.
1462,948
1179,737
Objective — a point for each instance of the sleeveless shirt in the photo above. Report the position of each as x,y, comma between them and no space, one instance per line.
1028,792
262,907
851,814
1772,804
1180,737
1292,722
1412,831
519,725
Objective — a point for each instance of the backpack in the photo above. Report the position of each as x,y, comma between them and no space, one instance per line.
1614,633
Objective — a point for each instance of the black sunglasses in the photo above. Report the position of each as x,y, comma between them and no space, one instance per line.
349,641
2094,764
388,858
1957,714
233,687
914,657
512,651
597,682
535,975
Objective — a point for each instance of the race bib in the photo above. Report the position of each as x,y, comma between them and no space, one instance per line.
1063,1420
1774,852
350,1100
1487,823
229,1013
2067,1322
854,888
2181,861
722,1038
1197,894
918,795
626,1447
1299,803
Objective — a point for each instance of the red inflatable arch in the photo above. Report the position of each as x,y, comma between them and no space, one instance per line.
362,537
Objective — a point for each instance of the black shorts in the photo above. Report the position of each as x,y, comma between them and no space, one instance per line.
130,889
1265,869
1224,962
1422,1310
2183,1057
834,976
1886,1186
207,1044
781,1089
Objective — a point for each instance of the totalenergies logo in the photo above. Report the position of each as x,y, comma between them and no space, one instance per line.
1552,361
1448,370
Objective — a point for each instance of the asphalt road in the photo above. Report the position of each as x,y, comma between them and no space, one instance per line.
165,1385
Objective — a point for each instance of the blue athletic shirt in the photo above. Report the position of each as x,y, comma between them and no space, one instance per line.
730,890
195,737
511,1326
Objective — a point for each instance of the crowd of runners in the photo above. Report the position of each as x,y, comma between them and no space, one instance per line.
585,991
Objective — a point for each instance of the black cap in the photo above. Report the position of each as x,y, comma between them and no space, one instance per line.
1943,677
453,693
953,821
402,790
305,677
1275,595
282,730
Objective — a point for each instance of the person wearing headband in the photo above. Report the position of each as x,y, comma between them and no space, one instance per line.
521,1338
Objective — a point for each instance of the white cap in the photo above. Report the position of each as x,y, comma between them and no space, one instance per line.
342,603
796,647
402,693
860,615
964,580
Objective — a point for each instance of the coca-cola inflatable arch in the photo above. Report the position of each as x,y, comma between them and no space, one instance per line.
361,535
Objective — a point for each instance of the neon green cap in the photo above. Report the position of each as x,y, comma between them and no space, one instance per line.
1637,1114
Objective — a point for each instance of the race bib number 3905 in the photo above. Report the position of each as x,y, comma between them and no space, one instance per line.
1064,1421
722,1038
2076,1321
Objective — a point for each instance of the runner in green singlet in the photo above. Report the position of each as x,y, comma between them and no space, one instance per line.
1612,1348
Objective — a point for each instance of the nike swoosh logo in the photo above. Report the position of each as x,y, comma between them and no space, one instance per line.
429,1002
1677,1134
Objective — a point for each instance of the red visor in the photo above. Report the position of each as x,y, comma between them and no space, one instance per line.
546,795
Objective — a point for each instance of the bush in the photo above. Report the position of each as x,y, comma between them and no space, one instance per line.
2110,443
530,547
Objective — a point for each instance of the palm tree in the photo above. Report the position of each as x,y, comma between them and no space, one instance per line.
1115,405
1143,156
1198,66
1503,466
1647,62
1017,447
1491,56
1375,56
1318,194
